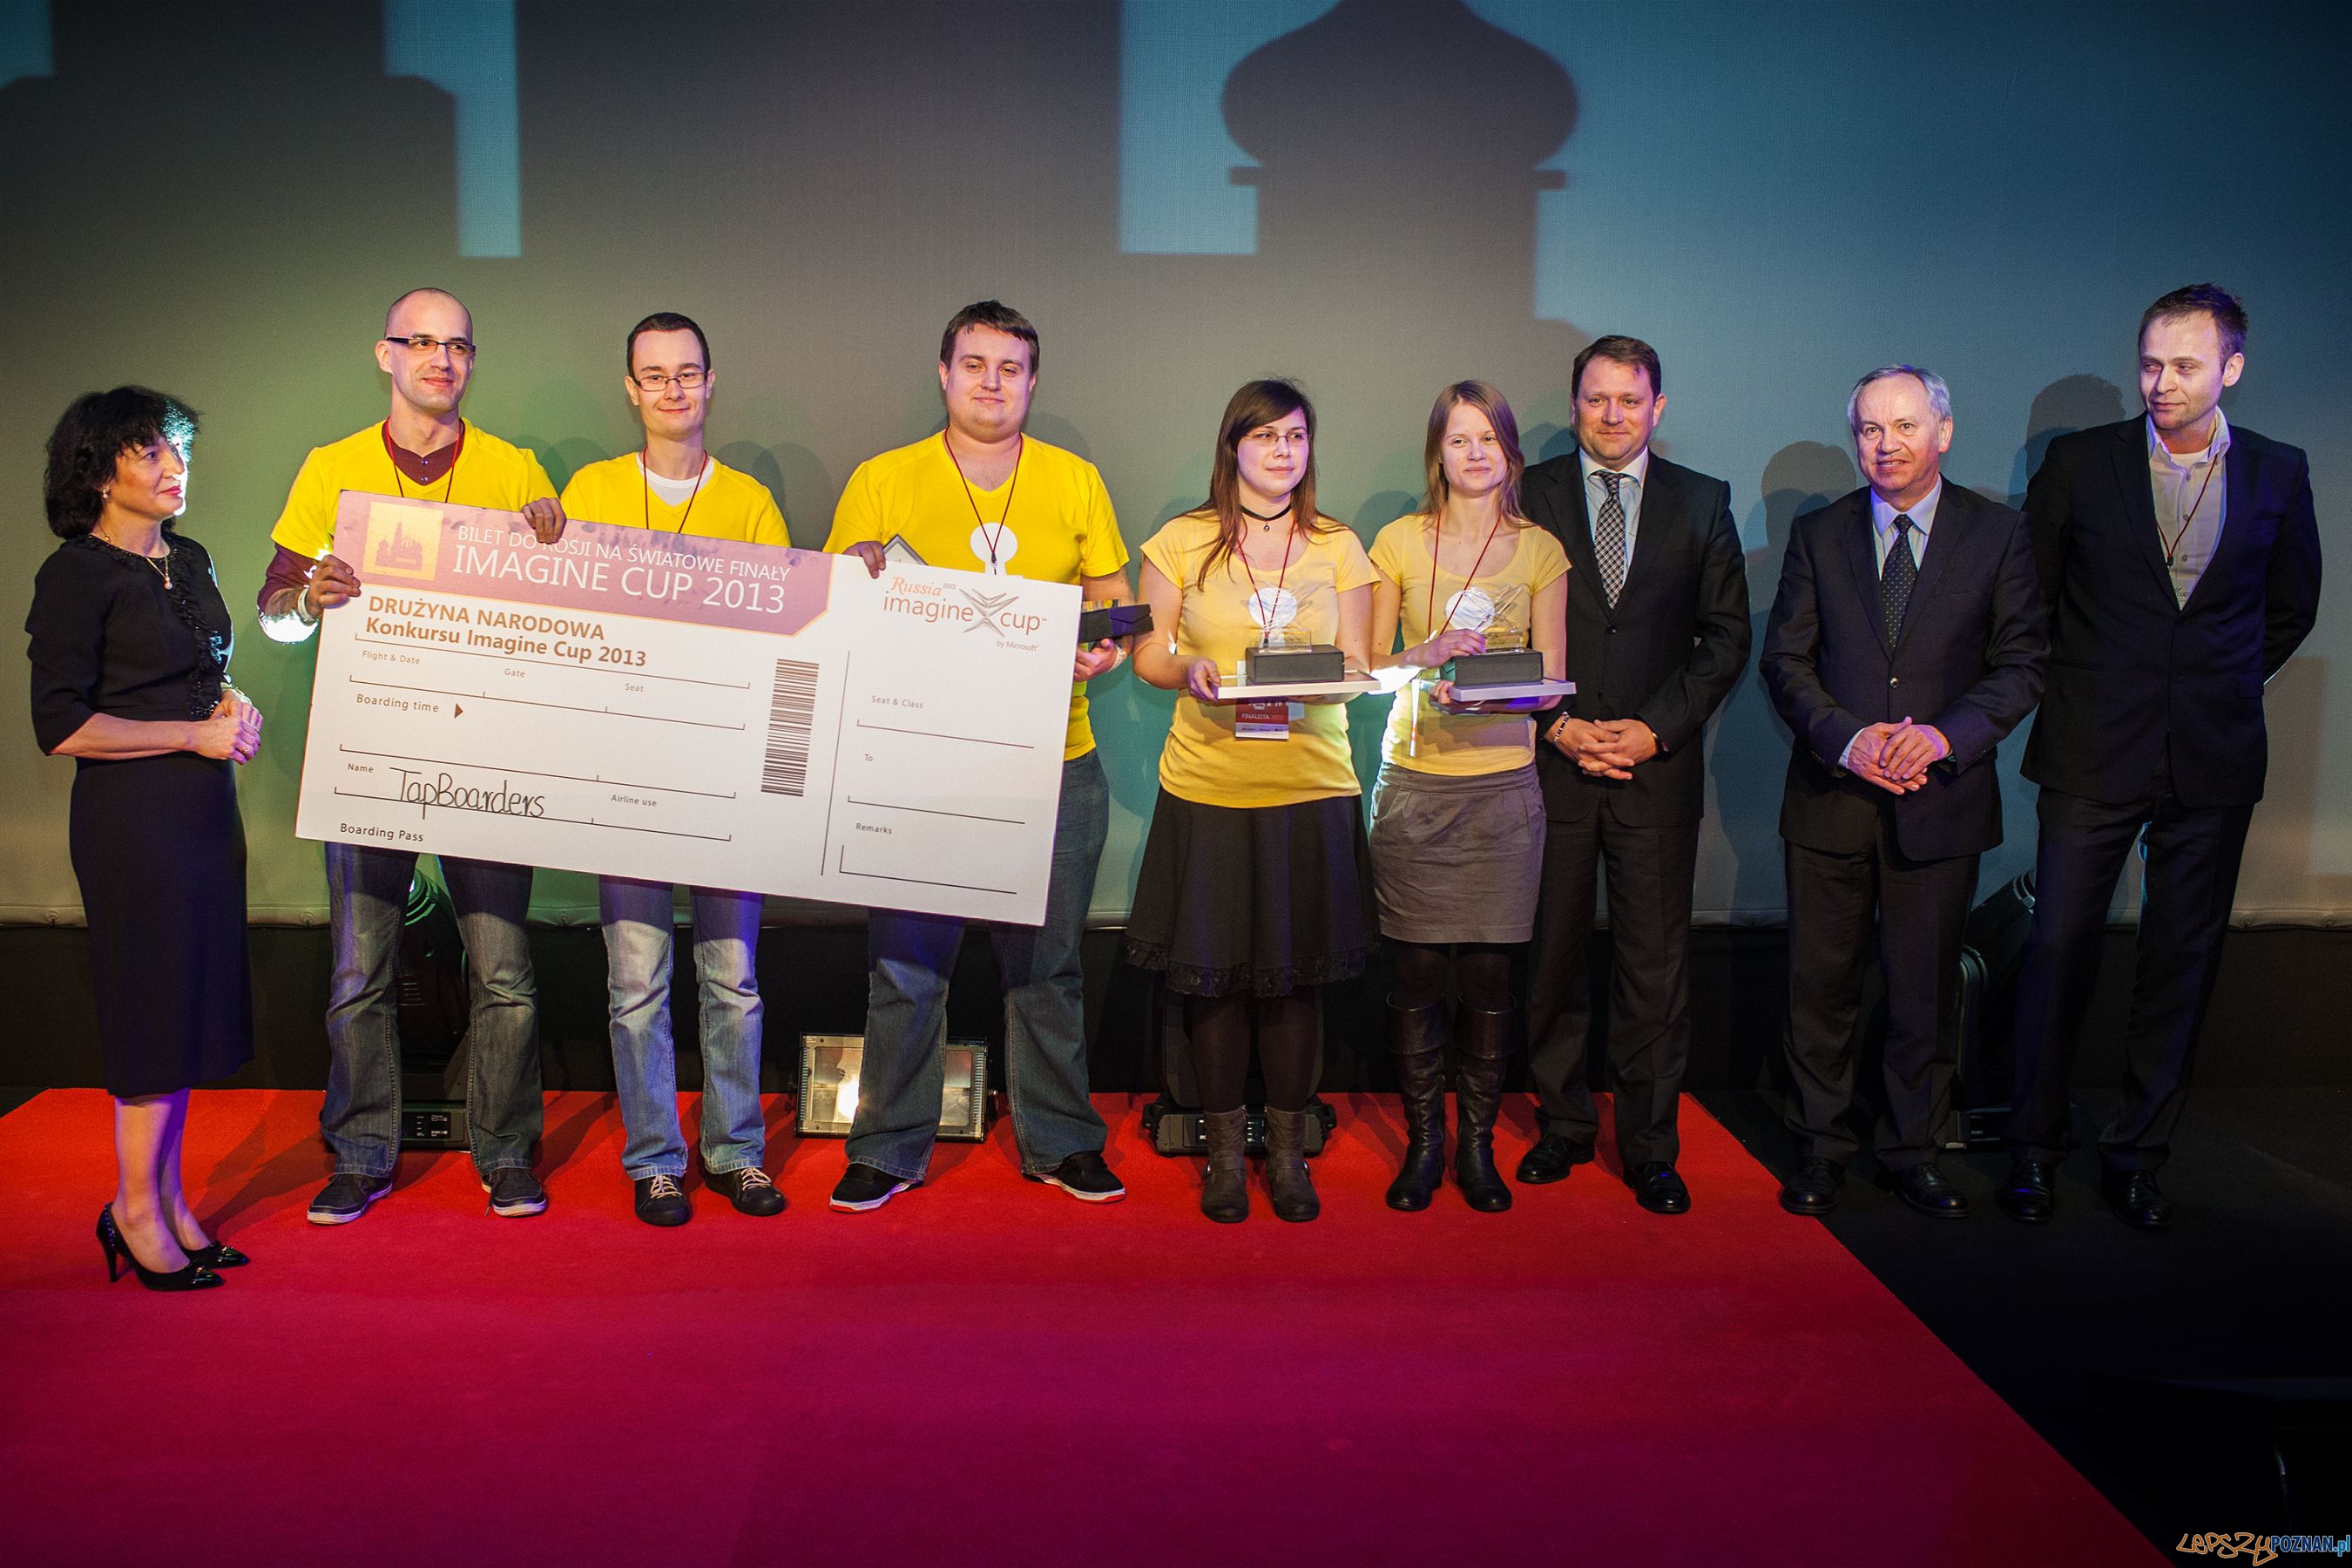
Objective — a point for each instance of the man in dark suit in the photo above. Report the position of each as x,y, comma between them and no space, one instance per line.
1657,634
2179,560
1907,640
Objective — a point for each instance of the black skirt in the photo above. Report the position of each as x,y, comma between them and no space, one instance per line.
159,850
1256,900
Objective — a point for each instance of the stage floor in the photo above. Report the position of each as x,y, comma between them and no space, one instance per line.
985,1370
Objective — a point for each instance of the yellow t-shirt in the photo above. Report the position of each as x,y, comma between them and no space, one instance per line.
1205,761
730,504
1421,735
1059,527
490,473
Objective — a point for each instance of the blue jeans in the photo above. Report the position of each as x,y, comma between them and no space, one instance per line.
638,923
911,956
367,904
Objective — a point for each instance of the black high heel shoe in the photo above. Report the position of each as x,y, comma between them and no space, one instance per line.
216,1254
194,1277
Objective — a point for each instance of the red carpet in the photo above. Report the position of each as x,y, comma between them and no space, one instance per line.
983,1371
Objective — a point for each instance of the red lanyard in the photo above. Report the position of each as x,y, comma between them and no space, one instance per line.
1436,543
1266,630
449,480
645,477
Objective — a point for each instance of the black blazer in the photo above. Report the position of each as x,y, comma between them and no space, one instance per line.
2132,672
1667,655
1969,663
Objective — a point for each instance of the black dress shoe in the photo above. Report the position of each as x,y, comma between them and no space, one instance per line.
1814,1190
2135,1197
1658,1189
2031,1196
1551,1160
1923,1188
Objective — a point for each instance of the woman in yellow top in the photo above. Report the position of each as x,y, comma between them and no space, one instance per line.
1255,886
1458,818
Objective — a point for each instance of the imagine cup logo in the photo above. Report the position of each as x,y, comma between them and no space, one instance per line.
404,539
1272,609
1472,609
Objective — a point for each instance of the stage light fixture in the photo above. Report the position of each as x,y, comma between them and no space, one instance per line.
830,1071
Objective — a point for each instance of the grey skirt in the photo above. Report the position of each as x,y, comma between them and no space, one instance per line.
1457,860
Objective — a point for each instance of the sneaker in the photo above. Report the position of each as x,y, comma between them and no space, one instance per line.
1085,1177
862,1187
514,1192
749,1189
661,1201
346,1196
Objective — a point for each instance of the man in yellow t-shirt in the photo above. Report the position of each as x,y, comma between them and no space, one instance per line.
422,448
676,487
983,497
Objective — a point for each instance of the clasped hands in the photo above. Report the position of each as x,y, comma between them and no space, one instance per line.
233,731
1606,748
1895,757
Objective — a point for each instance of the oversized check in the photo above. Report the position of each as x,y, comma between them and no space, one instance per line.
690,710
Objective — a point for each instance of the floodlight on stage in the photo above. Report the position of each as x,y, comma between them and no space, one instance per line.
832,1065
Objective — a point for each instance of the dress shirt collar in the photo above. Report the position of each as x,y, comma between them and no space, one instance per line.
1923,516
1639,468
2158,452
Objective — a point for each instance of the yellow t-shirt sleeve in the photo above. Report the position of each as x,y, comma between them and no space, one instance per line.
1169,554
768,525
1354,568
1388,555
580,500
1552,561
536,485
858,516
1102,550
306,526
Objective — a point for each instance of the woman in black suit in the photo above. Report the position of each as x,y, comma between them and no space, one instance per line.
130,643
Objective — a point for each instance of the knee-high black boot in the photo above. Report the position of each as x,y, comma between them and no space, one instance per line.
1478,1094
1417,1044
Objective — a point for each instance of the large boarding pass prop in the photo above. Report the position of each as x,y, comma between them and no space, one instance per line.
690,710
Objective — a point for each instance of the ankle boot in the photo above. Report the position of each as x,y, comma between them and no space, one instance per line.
1417,1044
1225,1194
1285,1166
1478,1094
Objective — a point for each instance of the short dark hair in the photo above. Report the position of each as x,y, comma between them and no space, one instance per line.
995,316
662,322
97,428
1623,350
2206,299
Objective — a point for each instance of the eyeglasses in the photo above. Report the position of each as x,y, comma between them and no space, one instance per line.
653,380
1268,440
459,348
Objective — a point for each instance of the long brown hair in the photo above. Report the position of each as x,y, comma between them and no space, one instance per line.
1258,404
1477,394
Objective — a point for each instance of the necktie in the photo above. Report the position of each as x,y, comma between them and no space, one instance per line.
1609,537
1897,578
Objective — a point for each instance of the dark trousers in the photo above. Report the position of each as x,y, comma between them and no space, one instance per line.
2190,856
1919,908
1649,884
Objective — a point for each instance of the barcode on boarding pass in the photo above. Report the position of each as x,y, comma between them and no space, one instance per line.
792,713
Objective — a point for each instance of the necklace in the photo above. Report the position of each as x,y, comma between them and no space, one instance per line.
644,477
1266,519
448,480
163,564
997,537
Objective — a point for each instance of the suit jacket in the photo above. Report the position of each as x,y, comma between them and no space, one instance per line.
2134,675
1969,662
1668,653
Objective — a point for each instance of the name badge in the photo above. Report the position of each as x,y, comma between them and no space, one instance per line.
1265,720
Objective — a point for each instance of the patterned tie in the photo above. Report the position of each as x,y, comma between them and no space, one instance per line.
1897,578
1609,537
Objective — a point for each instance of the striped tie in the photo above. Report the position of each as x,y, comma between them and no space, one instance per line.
1609,537
1897,578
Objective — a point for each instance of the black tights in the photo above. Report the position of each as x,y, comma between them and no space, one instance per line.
1289,1031
1483,969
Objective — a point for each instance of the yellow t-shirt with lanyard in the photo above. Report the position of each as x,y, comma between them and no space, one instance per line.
1421,735
488,472
1208,760
724,502
1051,521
